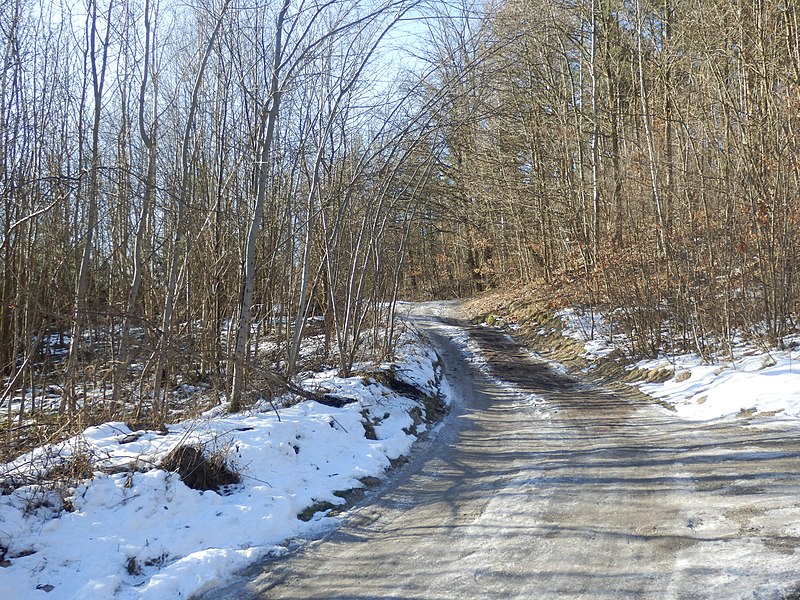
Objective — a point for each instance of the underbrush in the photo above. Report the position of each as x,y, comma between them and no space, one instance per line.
630,332
37,409
740,376
601,342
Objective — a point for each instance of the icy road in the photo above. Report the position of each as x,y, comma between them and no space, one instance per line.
539,485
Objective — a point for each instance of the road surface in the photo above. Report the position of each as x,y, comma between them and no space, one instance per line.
540,485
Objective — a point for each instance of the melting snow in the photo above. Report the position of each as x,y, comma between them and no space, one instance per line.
134,531
752,382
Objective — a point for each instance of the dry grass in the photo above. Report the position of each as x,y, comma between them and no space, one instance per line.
533,309
199,468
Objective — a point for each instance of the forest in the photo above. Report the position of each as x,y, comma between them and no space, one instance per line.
190,190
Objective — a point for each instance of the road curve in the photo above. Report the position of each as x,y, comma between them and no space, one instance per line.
540,485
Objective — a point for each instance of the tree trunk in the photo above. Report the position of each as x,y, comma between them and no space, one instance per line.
269,120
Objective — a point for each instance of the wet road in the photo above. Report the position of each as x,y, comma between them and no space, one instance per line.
540,485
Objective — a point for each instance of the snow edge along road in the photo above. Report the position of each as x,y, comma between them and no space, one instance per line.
135,531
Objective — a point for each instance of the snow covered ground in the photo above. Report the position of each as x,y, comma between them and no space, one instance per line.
755,382
135,531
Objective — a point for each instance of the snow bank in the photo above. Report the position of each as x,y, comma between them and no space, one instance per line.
134,531
753,382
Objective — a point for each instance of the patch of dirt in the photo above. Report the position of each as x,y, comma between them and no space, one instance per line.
783,545
510,362
539,329
744,516
351,497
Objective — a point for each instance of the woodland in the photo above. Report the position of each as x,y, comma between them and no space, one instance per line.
189,191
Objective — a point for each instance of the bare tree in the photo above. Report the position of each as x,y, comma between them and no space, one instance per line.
97,42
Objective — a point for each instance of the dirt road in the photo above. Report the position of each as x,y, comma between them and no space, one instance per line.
539,485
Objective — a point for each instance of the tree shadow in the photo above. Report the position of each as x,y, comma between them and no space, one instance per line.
570,497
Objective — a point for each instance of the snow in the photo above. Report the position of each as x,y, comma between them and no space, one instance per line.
751,382
592,328
134,531
754,382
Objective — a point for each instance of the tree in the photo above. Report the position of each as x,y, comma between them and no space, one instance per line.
97,67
